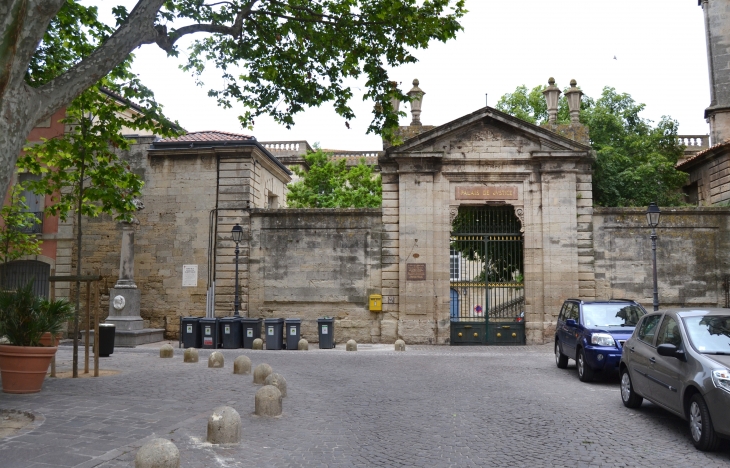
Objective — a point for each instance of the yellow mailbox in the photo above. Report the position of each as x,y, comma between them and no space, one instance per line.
376,302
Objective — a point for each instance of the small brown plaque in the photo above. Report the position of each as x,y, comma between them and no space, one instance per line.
415,272
486,193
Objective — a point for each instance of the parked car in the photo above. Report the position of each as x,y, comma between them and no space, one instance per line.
593,332
680,360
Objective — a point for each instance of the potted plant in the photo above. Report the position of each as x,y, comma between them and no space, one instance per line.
24,318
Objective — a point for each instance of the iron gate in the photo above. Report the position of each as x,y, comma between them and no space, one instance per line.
487,283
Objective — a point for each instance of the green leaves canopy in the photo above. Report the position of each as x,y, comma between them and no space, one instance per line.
331,184
15,241
634,159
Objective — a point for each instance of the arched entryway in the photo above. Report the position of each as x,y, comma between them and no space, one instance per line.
486,254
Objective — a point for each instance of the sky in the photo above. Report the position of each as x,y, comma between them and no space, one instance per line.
652,49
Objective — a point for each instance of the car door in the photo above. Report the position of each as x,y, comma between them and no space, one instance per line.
571,333
641,350
560,326
664,371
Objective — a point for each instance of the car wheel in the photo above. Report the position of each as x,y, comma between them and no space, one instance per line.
700,425
561,360
630,398
585,373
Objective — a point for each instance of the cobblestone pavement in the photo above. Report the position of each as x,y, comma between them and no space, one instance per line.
429,406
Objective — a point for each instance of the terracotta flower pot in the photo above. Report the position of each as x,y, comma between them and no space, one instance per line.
23,368
46,339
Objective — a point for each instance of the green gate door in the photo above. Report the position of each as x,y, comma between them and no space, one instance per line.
487,284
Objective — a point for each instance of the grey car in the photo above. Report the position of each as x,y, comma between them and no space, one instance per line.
679,359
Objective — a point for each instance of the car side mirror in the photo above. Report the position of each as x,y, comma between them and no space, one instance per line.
570,323
669,350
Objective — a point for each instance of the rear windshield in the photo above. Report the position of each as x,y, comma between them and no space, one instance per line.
709,334
611,315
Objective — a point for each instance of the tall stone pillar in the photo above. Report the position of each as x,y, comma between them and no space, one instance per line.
125,299
717,32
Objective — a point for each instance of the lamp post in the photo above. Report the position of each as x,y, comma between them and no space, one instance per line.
652,217
237,235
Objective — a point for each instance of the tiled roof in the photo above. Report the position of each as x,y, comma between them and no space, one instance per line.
210,135
701,154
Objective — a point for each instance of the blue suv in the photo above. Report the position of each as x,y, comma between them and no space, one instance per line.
593,333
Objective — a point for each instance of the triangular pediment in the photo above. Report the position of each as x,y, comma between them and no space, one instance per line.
488,130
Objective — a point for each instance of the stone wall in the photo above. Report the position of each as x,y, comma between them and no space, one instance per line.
317,262
693,255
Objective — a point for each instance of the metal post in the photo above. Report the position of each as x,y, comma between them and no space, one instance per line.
96,329
653,250
88,327
53,337
236,300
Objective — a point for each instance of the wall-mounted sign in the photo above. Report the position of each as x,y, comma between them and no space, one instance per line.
190,275
415,272
486,193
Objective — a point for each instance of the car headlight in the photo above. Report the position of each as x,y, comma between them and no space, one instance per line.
602,339
721,379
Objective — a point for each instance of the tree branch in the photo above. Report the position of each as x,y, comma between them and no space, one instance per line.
138,29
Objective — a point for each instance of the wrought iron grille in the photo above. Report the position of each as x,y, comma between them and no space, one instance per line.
486,265
36,228
19,273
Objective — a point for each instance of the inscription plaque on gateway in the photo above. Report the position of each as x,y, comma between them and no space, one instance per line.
415,272
486,193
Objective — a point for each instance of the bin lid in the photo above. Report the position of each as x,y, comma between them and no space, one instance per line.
293,320
325,319
274,320
208,320
191,319
107,325
229,319
251,320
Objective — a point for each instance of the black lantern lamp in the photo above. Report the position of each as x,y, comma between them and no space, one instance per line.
237,235
652,217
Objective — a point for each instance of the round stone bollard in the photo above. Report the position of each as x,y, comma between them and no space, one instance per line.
258,343
191,355
242,365
260,373
400,345
224,426
303,345
278,381
158,453
268,401
166,351
215,359
351,345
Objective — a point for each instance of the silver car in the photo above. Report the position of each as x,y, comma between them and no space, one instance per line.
679,359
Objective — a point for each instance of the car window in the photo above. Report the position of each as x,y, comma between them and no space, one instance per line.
710,334
574,311
647,330
561,316
612,315
669,333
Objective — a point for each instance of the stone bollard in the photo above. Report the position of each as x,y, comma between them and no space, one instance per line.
158,453
191,355
268,401
224,426
166,351
215,359
351,345
258,343
400,345
278,381
260,373
303,345
242,365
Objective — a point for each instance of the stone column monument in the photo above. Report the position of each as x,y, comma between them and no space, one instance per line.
125,298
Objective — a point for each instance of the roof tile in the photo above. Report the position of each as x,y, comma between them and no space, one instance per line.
210,135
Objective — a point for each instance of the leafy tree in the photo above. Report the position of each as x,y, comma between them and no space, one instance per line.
276,56
80,169
634,159
331,184
15,240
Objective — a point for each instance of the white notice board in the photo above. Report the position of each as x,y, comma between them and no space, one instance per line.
190,275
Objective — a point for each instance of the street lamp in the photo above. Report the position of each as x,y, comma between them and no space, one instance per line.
652,217
237,235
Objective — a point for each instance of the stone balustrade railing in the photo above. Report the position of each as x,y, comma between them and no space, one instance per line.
354,157
289,147
694,142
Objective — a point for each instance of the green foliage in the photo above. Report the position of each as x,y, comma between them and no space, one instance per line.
634,160
25,317
14,242
292,54
331,184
